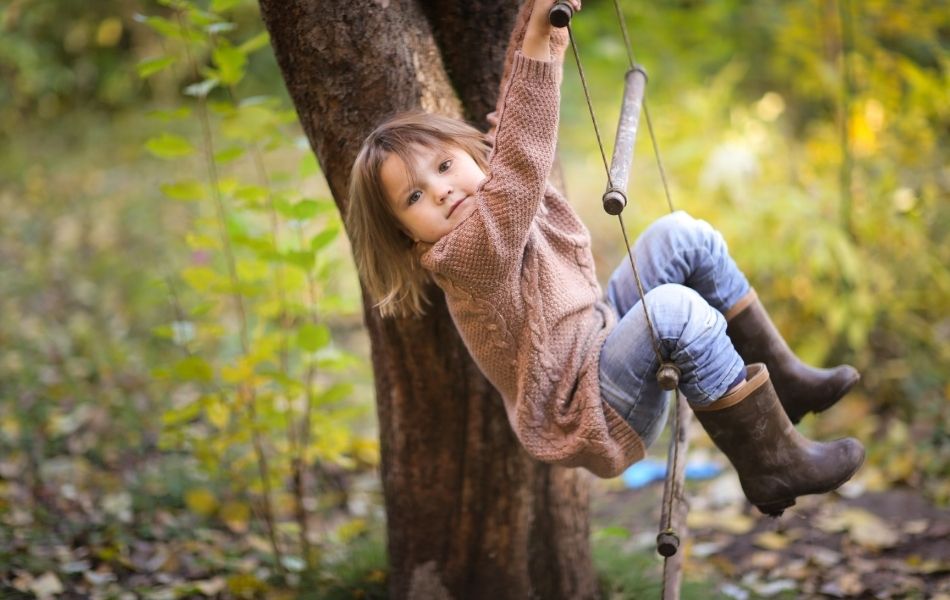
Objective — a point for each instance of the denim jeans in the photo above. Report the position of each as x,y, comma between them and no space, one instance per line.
690,281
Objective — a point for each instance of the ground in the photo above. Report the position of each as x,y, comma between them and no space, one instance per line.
857,544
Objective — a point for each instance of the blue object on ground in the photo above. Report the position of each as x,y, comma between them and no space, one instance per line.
648,470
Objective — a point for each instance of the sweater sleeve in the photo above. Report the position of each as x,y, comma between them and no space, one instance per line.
524,150
559,42
482,249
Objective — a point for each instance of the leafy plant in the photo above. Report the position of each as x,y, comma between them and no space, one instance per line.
262,383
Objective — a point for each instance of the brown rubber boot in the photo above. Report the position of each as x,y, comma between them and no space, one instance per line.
802,389
775,463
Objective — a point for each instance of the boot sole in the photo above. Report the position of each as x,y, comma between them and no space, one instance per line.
796,416
775,509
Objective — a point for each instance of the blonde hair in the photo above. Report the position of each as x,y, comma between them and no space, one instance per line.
384,253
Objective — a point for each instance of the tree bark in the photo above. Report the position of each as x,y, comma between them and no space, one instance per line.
469,514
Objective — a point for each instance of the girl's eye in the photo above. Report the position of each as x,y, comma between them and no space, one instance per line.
413,197
445,166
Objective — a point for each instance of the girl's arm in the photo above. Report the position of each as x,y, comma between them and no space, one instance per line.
484,249
557,43
543,41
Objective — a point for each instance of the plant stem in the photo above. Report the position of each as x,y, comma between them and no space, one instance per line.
248,393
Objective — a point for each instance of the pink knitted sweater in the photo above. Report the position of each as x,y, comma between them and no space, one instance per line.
519,280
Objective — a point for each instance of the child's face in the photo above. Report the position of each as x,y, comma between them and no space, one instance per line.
445,178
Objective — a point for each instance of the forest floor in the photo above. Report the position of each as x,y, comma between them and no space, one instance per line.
857,544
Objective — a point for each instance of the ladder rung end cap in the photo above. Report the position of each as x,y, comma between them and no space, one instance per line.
614,201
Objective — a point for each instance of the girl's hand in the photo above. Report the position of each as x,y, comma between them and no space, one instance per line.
542,41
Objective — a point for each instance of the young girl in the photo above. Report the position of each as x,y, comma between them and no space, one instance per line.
433,199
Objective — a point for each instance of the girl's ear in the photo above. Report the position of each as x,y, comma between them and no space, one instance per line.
405,233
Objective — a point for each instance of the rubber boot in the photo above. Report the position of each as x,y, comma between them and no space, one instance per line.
775,463
802,389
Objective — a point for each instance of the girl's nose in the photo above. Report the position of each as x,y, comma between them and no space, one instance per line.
445,194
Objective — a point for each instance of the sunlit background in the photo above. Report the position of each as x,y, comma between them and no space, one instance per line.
186,400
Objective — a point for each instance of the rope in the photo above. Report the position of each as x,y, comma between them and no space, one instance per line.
668,525
646,111
623,229
590,107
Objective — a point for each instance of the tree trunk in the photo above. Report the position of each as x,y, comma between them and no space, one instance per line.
469,514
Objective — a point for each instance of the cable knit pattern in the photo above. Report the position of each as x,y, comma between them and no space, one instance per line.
519,280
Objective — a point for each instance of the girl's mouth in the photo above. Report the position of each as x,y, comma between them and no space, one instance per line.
456,205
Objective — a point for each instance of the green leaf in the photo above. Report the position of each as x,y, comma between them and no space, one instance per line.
255,43
201,279
251,194
303,259
250,270
306,209
322,239
180,416
170,29
336,361
308,165
163,331
176,4
201,18
193,368
169,146
230,61
229,154
184,190
151,66
614,531
334,393
177,114
202,241
312,337
220,6
250,123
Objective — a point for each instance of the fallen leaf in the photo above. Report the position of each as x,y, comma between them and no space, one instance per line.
915,526
46,586
704,549
771,588
211,587
734,523
75,566
99,577
236,515
873,533
244,585
771,540
23,580
865,528
797,569
119,505
822,557
201,501
901,465
733,591
765,560
917,564
845,585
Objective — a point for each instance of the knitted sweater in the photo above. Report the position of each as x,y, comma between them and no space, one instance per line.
519,280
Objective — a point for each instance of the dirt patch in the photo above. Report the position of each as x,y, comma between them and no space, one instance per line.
890,544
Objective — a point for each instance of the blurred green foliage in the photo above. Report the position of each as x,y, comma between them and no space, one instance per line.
159,336
846,242
264,393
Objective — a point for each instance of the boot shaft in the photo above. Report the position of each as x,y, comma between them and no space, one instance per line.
801,388
775,463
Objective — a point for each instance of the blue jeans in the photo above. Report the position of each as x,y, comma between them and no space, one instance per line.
690,281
